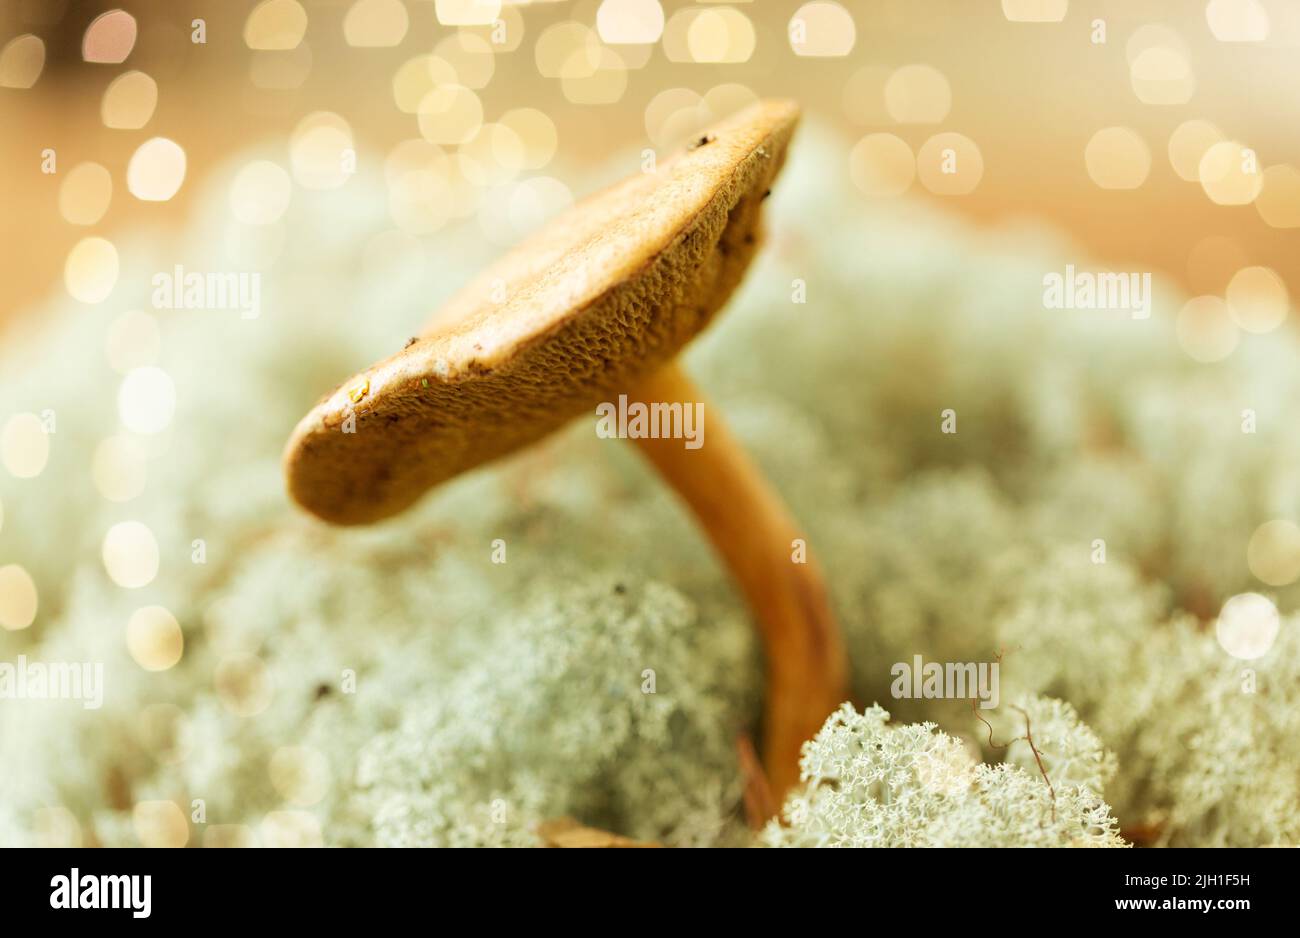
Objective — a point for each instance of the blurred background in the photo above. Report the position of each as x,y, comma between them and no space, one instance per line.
1160,135
368,154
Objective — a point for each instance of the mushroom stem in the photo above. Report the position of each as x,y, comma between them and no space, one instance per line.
807,670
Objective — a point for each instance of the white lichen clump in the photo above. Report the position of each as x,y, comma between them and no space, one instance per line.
870,784
615,704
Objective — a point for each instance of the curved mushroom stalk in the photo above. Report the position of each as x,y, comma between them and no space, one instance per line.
755,536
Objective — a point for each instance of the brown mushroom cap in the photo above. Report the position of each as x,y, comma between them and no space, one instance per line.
601,296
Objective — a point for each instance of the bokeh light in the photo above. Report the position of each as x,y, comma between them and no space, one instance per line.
494,156
567,49
723,100
470,57
630,21
1162,75
156,170
1278,202
91,269
321,151
882,165
1237,20
1247,626
1228,174
950,164
291,829
536,133
130,554
1035,11
24,446
450,114
300,774
85,194
1117,158
154,639
1273,553
821,29
129,101
674,114
109,38
275,24
605,84
1257,298
417,77
376,23
160,824
1188,144
505,33
21,61
918,94
1154,36
18,598
467,12
709,34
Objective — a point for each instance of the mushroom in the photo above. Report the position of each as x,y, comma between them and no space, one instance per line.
596,305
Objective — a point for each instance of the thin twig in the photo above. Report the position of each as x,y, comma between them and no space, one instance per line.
1029,738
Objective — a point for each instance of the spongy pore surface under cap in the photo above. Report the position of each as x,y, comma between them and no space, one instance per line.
598,298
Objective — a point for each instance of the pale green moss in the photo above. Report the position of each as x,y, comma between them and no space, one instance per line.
869,784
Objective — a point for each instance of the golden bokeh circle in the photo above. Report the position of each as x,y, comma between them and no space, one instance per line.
130,554
24,446
917,94
1117,158
19,600
154,638
129,101
91,269
882,165
1228,174
1273,553
950,164
156,170
1258,300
